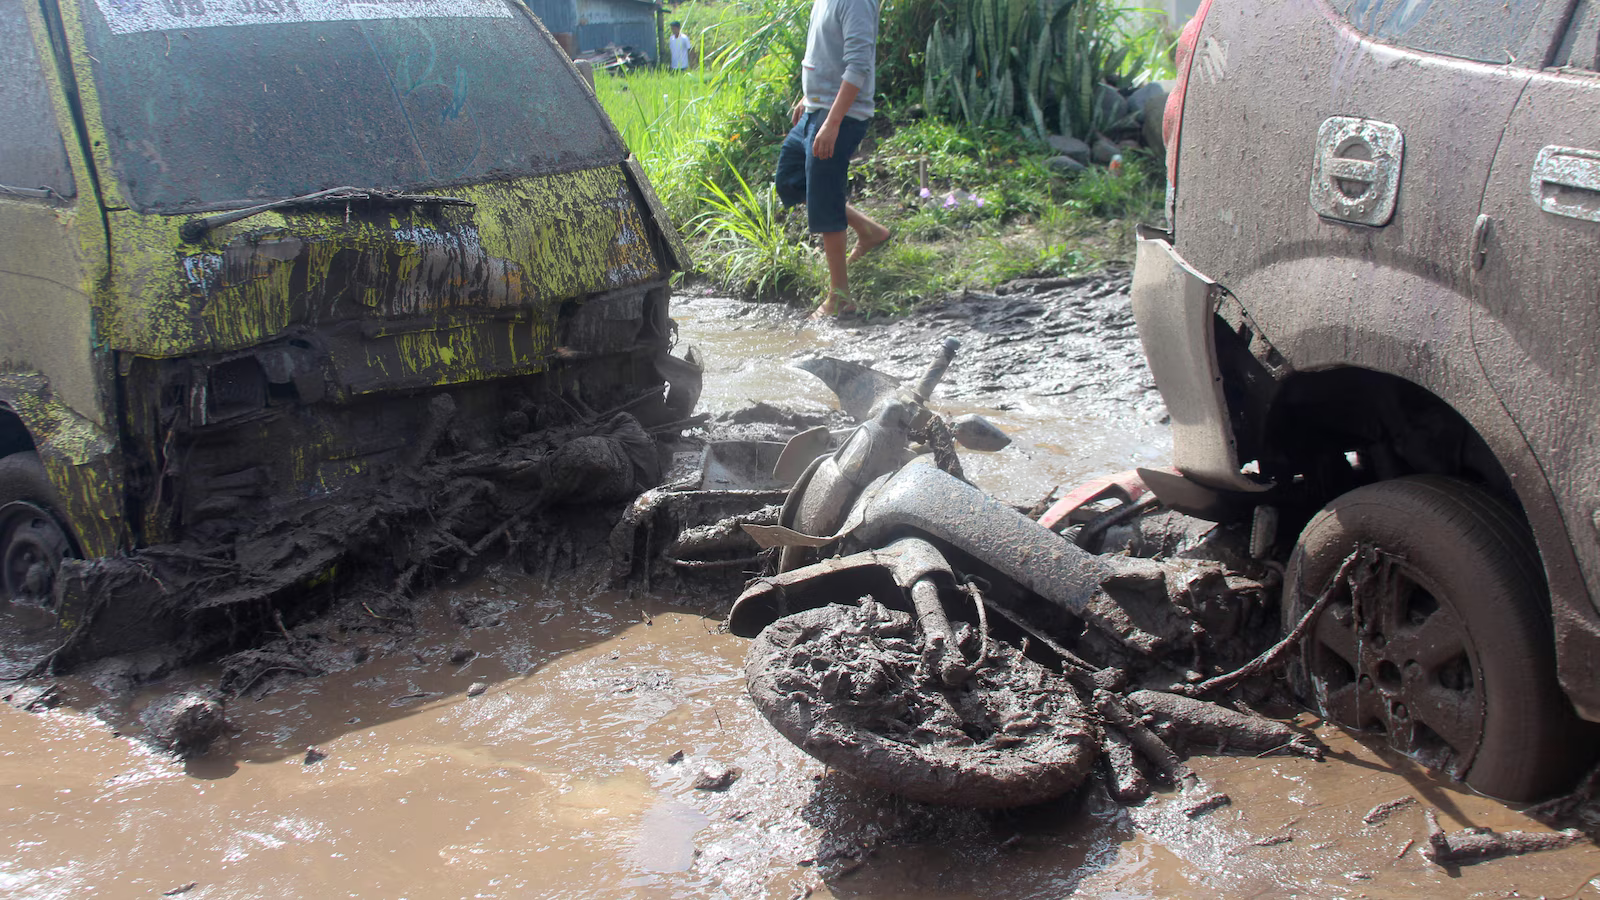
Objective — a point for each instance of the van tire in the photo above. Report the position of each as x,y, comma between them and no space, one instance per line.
1453,646
31,530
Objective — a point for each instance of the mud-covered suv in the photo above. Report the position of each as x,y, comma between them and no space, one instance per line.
1376,322
256,255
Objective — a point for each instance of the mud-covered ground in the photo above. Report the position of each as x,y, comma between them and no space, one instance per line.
1056,363
531,735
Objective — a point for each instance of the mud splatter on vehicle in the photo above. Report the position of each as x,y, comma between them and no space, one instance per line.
313,294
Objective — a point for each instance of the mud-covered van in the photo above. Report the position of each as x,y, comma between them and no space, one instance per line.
265,263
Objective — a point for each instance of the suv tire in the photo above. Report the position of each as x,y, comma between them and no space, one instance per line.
1450,653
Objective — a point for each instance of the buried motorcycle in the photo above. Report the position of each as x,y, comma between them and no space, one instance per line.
926,638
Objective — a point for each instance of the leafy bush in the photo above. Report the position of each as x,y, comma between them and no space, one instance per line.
1046,64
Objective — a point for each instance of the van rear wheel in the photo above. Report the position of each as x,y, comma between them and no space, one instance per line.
1441,641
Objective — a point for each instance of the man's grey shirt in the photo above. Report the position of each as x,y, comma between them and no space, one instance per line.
841,47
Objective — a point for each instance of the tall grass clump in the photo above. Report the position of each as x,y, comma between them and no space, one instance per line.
743,229
668,121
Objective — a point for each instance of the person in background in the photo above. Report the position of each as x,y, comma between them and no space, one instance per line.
678,47
838,81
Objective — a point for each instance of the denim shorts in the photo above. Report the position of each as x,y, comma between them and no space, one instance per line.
821,184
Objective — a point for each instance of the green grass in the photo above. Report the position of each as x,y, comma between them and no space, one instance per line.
672,122
993,209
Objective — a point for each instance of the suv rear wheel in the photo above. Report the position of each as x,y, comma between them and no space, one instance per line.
1441,640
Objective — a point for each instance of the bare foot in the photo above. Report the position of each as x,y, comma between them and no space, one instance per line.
867,243
837,302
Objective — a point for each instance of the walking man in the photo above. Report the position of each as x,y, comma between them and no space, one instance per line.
838,84
678,46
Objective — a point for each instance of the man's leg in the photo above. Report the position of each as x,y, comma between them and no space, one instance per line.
838,274
869,232
827,184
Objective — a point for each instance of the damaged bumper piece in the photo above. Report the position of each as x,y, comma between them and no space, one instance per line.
1174,307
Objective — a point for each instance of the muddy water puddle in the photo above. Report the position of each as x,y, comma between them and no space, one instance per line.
1060,439
557,781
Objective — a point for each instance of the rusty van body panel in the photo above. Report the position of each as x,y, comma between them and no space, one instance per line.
214,306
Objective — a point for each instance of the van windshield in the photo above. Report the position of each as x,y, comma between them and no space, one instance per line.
217,103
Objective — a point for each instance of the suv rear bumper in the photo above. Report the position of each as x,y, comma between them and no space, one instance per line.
1175,309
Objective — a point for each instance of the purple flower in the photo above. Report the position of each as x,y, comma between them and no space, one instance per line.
950,200
976,200
925,193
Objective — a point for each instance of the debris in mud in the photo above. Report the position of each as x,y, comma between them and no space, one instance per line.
1207,803
375,543
851,685
1199,724
675,758
33,698
477,688
1124,781
1381,813
181,889
186,724
1475,845
313,756
717,777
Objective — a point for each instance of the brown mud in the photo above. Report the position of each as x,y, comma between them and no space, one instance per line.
530,735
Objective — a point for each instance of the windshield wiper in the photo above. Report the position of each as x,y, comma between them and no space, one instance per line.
195,229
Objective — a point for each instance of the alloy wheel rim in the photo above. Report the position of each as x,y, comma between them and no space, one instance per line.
1391,655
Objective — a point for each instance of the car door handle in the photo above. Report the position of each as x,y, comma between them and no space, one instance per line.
1566,182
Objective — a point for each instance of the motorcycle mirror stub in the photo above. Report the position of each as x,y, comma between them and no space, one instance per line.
974,432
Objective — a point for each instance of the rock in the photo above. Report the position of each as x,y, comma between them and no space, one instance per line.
977,433
314,756
717,777
477,688
461,656
1139,100
1154,110
1110,105
186,724
1065,164
1069,146
1103,150
675,758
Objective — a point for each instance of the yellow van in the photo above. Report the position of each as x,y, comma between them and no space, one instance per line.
247,245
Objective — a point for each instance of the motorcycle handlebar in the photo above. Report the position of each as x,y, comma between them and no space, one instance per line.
930,378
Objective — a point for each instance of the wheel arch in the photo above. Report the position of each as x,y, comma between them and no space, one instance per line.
14,435
1402,335
82,460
